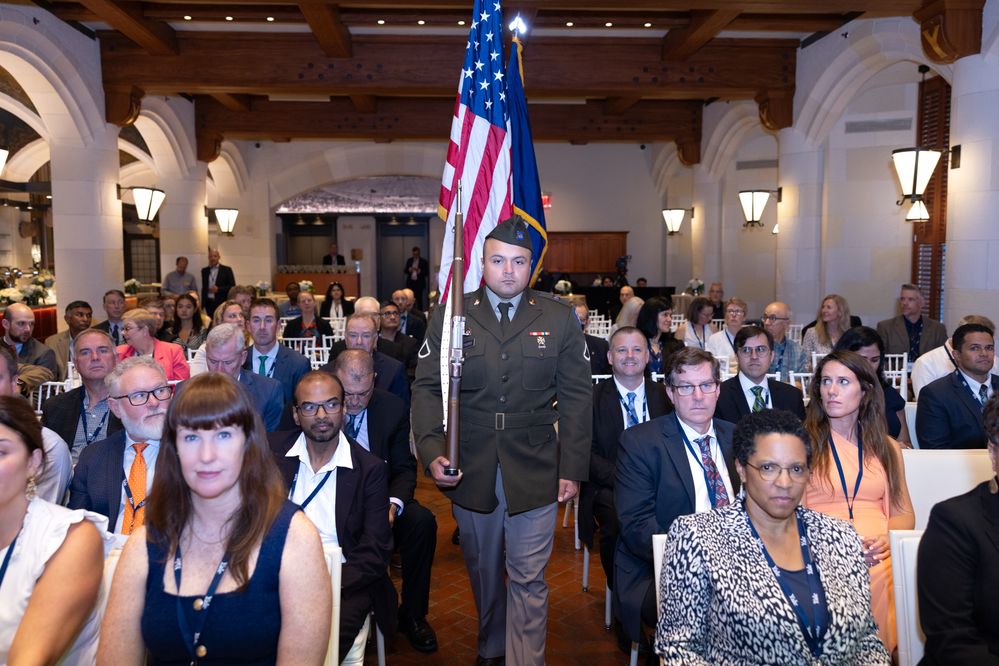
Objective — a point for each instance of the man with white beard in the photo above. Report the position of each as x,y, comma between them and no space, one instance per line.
114,476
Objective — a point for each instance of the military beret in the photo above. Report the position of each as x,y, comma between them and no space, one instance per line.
514,231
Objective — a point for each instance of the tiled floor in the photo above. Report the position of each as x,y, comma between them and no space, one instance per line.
576,633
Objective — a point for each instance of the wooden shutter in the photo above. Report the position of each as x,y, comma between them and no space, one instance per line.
929,239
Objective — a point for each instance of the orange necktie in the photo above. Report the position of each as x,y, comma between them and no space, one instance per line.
137,485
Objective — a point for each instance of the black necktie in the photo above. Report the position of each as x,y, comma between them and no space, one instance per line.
114,334
504,315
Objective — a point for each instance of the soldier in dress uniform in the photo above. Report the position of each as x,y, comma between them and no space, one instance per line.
523,351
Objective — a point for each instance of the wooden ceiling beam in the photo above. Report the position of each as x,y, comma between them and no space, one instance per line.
328,29
615,106
154,37
364,103
401,66
681,43
233,102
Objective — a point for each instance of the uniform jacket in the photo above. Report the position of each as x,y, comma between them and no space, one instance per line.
957,577
896,339
948,416
722,604
732,404
97,479
362,526
519,374
61,414
653,486
608,424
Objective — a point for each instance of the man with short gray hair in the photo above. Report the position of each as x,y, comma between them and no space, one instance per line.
788,355
225,352
910,331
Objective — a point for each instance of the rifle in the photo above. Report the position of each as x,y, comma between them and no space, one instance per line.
457,338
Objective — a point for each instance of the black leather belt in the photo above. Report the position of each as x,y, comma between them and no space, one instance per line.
508,420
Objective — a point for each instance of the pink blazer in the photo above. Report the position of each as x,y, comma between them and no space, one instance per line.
169,356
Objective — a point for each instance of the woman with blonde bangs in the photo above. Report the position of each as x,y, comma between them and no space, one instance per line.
831,322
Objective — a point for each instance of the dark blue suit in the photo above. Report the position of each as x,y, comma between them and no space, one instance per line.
97,479
267,395
653,486
390,374
949,417
289,367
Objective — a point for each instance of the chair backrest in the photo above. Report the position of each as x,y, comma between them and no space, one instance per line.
896,370
46,390
794,332
334,563
304,346
904,548
801,380
775,376
936,475
816,357
659,377
337,324
910,422
599,327
678,320
599,378
719,324
658,550
190,354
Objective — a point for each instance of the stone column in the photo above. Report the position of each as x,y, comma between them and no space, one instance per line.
705,230
182,222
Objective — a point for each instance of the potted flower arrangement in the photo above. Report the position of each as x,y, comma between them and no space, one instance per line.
10,295
132,286
33,294
695,286
306,285
263,286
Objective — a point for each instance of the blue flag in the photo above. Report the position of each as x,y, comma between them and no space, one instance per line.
526,183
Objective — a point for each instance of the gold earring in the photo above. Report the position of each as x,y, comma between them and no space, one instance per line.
29,489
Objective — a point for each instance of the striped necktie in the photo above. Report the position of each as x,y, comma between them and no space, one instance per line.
760,403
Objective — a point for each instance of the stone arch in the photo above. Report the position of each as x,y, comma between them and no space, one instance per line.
723,143
229,172
665,164
26,161
167,127
871,46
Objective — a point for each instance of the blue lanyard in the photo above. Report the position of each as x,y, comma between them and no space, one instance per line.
624,403
697,457
6,558
815,629
131,500
731,342
315,491
842,476
86,428
201,605
700,342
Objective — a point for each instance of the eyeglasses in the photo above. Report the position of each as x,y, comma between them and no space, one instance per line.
772,471
767,317
312,408
760,350
139,398
734,311
688,389
390,314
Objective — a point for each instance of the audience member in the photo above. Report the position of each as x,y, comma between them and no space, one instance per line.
114,308
655,321
218,521
179,281
334,258
751,390
722,344
138,331
624,294
626,399
216,281
832,321
78,315
379,422
18,329
641,282
244,295
82,415
866,342
187,329
668,467
50,586
596,347
765,556
417,271
788,354
335,305
53,478
846,424
698,328
270,358
226,352
361,332
307,324
939,362
170,310
154,306
628,314
389,330
115,475
949,410
412,321
350,511
229,312
958,570
290,307
716,296
910,331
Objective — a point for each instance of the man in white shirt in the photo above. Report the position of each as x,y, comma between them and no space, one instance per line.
673,465
939,362
343,490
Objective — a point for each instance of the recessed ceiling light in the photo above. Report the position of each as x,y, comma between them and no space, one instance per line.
461,23
381,21
569,24
648,25
228,18
187,18
609,24
421,22
270,19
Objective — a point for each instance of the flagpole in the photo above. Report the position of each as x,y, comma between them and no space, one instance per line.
457,337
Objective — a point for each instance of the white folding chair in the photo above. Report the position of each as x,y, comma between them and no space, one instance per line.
659,377
935,475
794,332
599,378
719,324
801,380
72,376
775,376
337,324
334,563
586,587
190,354
658,550
572,505
282,322
678,320
896,370
910,422
46,390
904,549
304,346
816,357
600,328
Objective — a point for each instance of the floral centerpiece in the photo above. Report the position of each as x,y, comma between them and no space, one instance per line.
695,286
11,295
33,294
306,285
132,286
263,286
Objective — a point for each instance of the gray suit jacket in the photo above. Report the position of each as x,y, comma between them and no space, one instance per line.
892,331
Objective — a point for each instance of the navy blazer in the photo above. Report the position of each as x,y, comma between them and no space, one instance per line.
362,526
97,478
387,422
598,348
289,368
949,417
416,325
653,485
267,395
732,405
61,414
224,280
608,425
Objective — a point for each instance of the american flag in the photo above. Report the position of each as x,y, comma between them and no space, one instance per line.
478,152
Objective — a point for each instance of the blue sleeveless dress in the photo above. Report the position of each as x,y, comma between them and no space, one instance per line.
242,627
